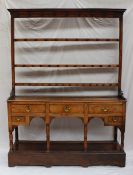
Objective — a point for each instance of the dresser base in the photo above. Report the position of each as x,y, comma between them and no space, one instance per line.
66,153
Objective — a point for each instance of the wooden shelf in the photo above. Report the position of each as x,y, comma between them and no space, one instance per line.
67,153
70,84
69,65
67,39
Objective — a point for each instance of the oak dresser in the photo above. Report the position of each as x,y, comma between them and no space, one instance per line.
111,109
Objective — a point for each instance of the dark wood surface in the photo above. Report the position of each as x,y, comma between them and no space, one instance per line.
67,153
13,54
69,65
67,39
64,13
120,52
99,99
70,84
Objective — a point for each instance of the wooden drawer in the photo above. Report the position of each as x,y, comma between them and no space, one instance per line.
18,120
114,120
105,108
66,108
29,108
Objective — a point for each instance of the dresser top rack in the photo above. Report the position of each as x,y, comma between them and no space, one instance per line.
68,13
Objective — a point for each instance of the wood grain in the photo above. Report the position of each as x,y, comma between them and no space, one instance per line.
67,153
66,39
67,13
70,65
70,84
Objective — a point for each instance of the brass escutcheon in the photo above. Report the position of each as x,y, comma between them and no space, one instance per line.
105,109
28,109
67,108
18,119
114,119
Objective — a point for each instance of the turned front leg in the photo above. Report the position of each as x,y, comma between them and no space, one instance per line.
85,137
11,138
16,134
122,137
115,133
48,136
85,133
16,138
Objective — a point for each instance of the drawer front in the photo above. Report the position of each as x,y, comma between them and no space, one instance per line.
29,108
105,108
66,108
18,120
114,120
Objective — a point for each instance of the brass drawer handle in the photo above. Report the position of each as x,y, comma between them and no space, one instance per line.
28,109
67,108
115,119
105,109
18,119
